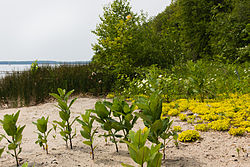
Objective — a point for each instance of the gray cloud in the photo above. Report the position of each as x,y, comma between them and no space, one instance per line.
55,29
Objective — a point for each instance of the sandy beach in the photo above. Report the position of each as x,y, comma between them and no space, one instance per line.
214,149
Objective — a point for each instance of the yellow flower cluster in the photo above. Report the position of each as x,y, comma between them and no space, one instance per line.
173,112
183,117
220,125
110,96
189,136
237,131
202,127
177,128
218,115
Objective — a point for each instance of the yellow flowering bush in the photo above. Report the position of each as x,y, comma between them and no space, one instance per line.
173,112
237,131
202,127
183,117
177,128
189,136
220,114
248,130
219,125
199,121
209,117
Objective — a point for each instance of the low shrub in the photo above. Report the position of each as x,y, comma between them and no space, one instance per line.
189,136
202,127
220,125
237,131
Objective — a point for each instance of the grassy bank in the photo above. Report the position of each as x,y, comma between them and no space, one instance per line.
34,86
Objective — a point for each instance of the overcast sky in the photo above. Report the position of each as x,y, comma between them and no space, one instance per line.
56,29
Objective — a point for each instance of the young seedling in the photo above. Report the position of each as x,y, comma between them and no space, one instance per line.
151,111
41,125
104,117
64,113
166,136
141,153
86,132
121,110
11,129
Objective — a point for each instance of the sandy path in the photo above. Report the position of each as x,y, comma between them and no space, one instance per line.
215,148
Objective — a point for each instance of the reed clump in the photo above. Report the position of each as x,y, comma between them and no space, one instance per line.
24,88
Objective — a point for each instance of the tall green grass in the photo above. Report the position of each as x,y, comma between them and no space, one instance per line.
27,87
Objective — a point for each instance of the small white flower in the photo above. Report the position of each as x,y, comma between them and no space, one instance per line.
180,79
144,81
160,76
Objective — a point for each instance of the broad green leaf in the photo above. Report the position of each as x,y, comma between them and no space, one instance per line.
156,162
61,91
128,117
85,134
68,94
126,108
81,122
64,116
142,155
56,96
157,126
87,143
108,104
144,117
16,116
19,133
12,146
72,102
1,151
101,110
9,125
62,104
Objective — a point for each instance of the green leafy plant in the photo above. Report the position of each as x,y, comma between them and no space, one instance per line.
86,132
34,67
141,153
121,110
151,111
64,113
41,125
15,132
104,117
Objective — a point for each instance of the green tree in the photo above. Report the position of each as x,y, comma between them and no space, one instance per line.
228,28
115,45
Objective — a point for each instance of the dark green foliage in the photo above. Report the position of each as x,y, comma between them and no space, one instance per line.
41,125
13,131
64,112
141,153
200,80
86,132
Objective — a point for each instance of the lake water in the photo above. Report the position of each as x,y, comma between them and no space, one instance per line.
5,69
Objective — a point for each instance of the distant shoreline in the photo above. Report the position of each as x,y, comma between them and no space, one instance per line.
42,62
